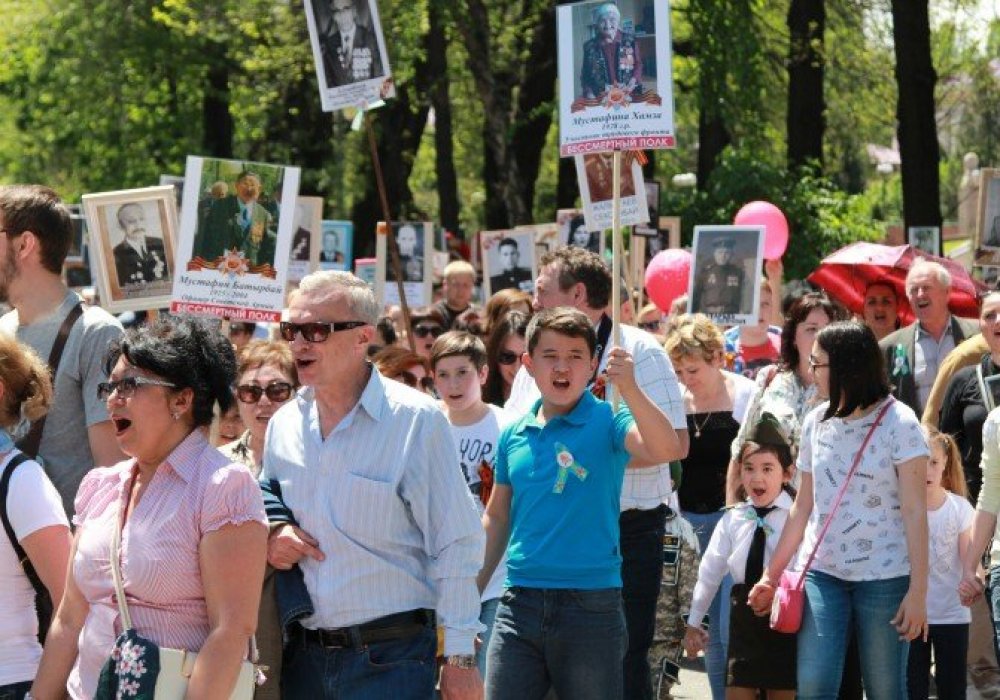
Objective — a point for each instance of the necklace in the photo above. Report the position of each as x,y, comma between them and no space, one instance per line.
699,428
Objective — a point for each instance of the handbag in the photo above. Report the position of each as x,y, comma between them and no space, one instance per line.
789,597
140,669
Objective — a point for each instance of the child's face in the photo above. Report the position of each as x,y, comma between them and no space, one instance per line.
936,465
561,366
761,476
458,382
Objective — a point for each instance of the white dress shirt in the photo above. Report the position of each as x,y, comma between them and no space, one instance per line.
728,550
643,489
384,496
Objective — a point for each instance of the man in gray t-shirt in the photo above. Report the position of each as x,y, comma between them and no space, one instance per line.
35,231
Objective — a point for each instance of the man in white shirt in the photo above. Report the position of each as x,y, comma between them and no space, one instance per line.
579,279
388,531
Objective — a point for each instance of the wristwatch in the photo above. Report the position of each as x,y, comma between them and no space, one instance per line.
461,661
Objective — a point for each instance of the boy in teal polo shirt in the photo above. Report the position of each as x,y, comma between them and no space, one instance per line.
555,508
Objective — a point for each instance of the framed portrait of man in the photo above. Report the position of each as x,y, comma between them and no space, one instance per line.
595,174
415,243
337,245
348,47
306,235
988,226
509,260
132,234
726,273
925,238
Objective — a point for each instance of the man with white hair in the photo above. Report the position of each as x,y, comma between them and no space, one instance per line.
914,353
377,515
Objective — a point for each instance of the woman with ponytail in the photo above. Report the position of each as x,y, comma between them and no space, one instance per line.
193,532
35,548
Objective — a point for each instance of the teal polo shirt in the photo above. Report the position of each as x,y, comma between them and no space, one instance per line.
566,481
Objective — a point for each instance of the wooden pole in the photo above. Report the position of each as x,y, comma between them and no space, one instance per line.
397,268
616,260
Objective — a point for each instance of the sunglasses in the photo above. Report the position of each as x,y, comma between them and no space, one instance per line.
650,326
127,386
424,331
317,331
507,357
410,380
276,392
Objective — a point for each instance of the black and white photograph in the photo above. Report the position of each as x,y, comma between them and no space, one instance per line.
925,238
653,207
573,231
336,244
307,229
76,246
726,273
547,237
132,235
668,235
349,52
415,243
508,260
988,229
178,183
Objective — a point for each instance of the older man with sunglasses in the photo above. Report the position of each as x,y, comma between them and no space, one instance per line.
375,513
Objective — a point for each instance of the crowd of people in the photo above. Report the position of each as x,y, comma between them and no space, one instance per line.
498,500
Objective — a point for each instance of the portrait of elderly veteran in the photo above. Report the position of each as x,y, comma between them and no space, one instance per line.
914,353
611,58
718,285
365,495
139,257
239,222
350,50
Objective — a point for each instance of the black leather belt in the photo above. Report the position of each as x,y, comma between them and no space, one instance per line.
384,629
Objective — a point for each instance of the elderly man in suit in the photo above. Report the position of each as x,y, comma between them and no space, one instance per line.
239,222
139,258
914,353
350,50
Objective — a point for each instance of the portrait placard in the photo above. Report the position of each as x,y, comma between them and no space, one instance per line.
573,231
509,260
76,245
595,174
131,239
415,240
365,268
988,225
668,236
306,226
349,54
622,105
653,207
546,237
925,238
337,245
178,184
726,273
235,238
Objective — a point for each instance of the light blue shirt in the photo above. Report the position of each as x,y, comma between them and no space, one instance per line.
384,496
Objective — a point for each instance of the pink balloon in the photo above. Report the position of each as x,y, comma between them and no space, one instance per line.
775,226
667,277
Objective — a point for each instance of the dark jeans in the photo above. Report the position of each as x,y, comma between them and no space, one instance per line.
951,644
642,568
14,691
571,641
401,669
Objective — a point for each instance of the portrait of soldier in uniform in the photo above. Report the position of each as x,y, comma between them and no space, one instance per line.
718,284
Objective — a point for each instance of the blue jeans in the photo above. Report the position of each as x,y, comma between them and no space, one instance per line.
487,614
14,691
718,611
401,669
993,598
832,606
569,640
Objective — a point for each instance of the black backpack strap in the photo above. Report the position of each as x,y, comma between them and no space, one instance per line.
22,557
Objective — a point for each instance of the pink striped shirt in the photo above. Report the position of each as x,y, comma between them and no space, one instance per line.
195,491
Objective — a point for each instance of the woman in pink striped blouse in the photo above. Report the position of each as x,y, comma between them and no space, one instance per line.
193,544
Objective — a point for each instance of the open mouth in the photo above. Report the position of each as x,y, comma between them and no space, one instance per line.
121,425
758,492
302,364
560,383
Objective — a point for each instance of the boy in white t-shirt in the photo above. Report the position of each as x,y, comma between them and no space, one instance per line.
458,362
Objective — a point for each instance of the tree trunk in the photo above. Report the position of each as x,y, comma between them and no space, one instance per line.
444,163
916,126
713,137
567,187
217,122
806,106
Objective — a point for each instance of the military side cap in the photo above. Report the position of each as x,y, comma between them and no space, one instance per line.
724,242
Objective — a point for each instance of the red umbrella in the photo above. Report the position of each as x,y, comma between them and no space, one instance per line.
846,274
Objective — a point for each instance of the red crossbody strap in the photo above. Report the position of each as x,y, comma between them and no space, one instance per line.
843,489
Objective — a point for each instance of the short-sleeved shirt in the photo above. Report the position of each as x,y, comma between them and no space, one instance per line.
944,526
65,449
32,504
195,491
867,540
566,480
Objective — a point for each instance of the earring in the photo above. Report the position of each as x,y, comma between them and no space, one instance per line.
175,416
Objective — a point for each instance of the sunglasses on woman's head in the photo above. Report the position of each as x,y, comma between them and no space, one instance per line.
316,331
507,357
424,331
410,380
276,392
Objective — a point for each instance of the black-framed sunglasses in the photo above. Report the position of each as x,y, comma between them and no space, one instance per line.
507,357
316,331
424,331
651,326
410,380
276,392
126,387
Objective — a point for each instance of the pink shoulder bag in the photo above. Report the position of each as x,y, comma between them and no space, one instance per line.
789,598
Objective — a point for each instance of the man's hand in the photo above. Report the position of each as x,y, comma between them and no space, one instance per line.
288,544
621,371
461,683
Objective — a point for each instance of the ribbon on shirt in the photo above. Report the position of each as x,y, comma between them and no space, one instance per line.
567,463
751,514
